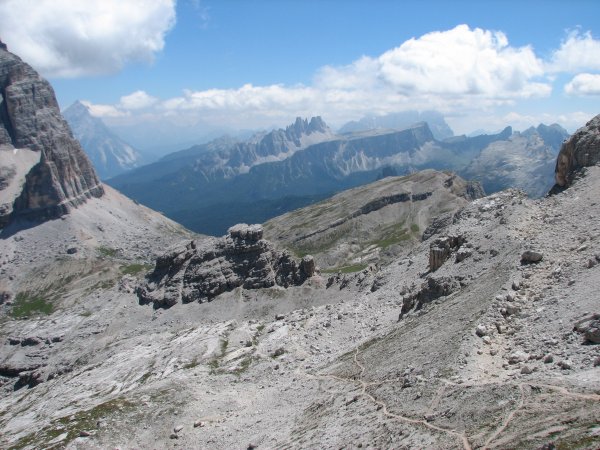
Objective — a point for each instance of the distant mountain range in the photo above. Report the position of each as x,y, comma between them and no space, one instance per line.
109,154
212,186
525,160
399,121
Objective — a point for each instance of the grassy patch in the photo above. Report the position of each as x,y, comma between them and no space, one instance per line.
414,228
135,269
243,366
104,284
214,365
28,303
144,377
347,269
224,345
71,426
106,252
193,363
392,235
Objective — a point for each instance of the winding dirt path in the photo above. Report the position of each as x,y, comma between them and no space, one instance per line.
384,407
358,380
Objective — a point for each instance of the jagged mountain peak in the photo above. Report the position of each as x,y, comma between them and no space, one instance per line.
401,120
304,126
108,152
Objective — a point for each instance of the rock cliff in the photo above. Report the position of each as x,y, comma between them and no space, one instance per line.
201,270
43,170
581,150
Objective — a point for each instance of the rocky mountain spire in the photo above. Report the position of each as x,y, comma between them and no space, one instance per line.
43,169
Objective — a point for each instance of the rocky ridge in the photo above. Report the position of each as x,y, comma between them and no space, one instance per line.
202,270
374,223
44,172
524,160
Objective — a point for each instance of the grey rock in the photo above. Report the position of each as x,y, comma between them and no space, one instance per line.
463,253
531,256
517,357
565,364
581,150
526,370
202,270
590,328
30,119
481,330
440,250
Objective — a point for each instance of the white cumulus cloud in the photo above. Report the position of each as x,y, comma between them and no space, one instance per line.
457,62
579,52
465,73
584,84
137,100
67,38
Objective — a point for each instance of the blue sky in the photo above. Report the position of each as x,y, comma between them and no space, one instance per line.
251,64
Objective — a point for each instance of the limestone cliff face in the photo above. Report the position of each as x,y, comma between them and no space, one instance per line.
581,150
56,175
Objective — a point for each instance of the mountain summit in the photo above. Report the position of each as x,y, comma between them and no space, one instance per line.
43,169
108,152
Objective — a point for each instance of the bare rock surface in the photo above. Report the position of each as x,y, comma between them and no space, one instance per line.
201,270
484,343
581,150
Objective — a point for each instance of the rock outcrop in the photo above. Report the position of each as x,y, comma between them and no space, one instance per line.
201,270
43,169
441,248
581,150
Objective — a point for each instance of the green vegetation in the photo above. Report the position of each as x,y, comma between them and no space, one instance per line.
193,363
104,284
135,269
347,269
243,366
72,425
391,235
29,303
144,377
224,345
414,228
106,252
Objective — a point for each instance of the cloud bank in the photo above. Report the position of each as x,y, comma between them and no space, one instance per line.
465,71
66,38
